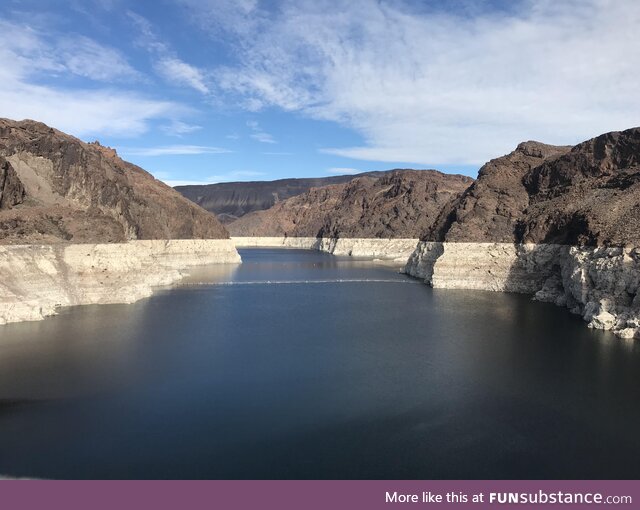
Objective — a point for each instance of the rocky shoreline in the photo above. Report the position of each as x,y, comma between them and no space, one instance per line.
600,284
36,280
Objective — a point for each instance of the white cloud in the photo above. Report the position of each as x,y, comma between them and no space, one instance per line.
178,72
146,37
179,128
172,150
278,153
26,56
434,87
258,133
36,52
343,171
178,182
167,64
82,113
236,175
84,57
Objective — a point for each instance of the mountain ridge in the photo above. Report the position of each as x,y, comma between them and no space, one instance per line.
57,188
398,204
232,200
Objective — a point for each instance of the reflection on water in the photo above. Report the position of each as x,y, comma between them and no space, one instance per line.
366,375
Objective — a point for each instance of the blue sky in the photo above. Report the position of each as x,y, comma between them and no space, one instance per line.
217,90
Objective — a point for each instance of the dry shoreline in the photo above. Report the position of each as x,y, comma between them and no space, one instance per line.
35,280
600,284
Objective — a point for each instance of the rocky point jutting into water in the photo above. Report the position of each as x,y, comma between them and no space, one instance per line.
562,223
62,201
380,217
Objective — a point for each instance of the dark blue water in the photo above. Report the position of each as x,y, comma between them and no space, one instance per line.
334,378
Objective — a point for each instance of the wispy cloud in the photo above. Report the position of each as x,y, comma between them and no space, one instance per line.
436,87
179,128
178,72
34,51
343,171
181,182
166,64
85,57
172,150
236,175
258,133
28,57
278,153
146,37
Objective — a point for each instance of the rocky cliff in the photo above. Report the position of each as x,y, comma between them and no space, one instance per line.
232,200
490,210
561,223
583,195
399,204
56,188
35,280
79,225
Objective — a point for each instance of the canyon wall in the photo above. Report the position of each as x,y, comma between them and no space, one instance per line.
562,223
401,204
56,188
232,200
79,225
601,284
35,280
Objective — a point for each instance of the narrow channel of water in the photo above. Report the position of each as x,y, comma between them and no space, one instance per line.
298,364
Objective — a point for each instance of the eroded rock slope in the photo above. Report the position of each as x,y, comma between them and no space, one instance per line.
400,204
56,188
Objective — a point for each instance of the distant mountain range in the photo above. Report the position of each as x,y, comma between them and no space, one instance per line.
232,200
395,204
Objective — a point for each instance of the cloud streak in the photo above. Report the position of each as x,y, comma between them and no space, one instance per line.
166,64
258,133
434,87
236,175
26,56
172,150
178,72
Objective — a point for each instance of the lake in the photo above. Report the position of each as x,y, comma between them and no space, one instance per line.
299,364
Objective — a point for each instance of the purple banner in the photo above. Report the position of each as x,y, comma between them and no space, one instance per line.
316,495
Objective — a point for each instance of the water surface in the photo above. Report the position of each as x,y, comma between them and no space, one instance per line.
298,364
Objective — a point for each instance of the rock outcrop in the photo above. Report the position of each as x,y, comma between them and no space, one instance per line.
400,204
11,188
490,210
561,223
56,188
79,225
589,196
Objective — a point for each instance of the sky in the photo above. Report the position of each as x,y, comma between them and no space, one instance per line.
202,91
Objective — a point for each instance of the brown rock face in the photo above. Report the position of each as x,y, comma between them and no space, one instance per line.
400,204
490,210
232,200
11,189
589,196
585,195
73,191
